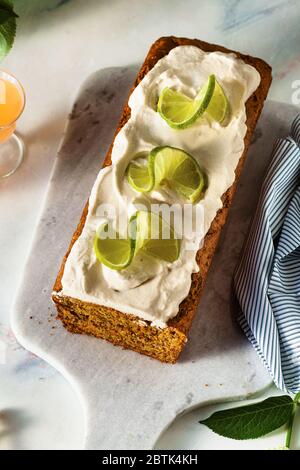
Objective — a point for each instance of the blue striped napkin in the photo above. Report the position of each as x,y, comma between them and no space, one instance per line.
267,279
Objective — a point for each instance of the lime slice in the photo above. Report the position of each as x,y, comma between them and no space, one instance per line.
116,253
140,175
147,231
155,236
168,166
218,107
180,111
189,180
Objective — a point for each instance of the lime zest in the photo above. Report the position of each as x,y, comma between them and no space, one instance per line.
171,166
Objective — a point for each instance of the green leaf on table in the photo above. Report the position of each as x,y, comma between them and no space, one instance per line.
252,421
7,26
6,13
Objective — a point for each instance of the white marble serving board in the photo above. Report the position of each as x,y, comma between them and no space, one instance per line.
130,399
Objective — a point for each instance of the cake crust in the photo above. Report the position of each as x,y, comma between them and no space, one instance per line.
128,330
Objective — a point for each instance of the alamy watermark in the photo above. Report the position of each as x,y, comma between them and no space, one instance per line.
179,221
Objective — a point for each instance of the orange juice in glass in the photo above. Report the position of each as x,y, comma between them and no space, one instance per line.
12,102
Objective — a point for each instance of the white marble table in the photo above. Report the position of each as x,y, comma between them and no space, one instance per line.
57,47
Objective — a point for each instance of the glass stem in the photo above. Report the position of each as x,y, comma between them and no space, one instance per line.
291,422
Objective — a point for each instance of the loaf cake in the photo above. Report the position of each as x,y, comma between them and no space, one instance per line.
165,338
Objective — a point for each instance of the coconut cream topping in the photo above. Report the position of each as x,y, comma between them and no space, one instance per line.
150,288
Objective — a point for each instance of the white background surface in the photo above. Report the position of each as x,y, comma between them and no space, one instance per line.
58,45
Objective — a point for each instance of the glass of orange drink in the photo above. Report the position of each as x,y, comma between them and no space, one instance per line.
12,102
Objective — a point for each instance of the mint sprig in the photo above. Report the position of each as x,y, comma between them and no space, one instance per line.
291,421
7,26
257,420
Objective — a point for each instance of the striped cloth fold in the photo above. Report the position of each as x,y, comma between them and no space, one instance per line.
267,278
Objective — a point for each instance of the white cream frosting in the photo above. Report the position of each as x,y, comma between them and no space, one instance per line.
153,289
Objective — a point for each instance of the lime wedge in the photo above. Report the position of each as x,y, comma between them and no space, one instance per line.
218,107
116,253
168,166
180,111
155,236
147,231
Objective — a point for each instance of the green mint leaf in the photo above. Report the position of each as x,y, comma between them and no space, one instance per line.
7,27
6,14
252,421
